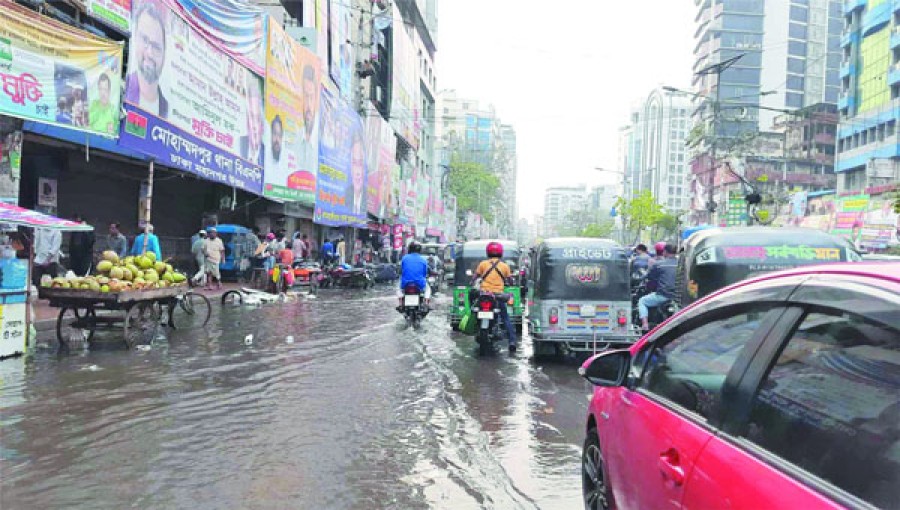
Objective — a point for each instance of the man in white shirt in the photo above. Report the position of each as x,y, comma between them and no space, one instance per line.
46,253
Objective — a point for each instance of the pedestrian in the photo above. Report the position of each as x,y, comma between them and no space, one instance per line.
215,252
198,250
327,252
307,247
267,252
81,250
341,251
46,253
152,243
115,241
299,248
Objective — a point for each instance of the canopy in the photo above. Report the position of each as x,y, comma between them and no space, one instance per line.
15,215
690,230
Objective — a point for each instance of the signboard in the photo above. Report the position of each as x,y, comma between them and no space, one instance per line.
736,214
47,193
56,74
881,227
235,27
188,104
405,93
341,187
293,79
850,215
382,160
341,64
10,158
12,329
113,13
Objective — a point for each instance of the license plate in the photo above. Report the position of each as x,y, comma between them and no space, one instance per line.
486,315
411,300
588,311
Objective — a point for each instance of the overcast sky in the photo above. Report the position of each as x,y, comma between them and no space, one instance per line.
565,74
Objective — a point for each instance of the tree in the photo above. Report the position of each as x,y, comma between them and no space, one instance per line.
603,229
639,213
665,226
474,187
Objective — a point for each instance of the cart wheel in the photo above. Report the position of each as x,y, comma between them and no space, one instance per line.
141,324
232,298
192,311
75,324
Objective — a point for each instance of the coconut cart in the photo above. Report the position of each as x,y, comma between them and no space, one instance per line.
139,312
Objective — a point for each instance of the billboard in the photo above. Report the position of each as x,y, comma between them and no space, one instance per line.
382,160
341,186
56,74
236,27
849,217
405,93
10,158
188,104
113,13
293,81
341,64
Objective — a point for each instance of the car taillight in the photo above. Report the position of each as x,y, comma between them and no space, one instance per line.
486,306
554,316
411,289
622,320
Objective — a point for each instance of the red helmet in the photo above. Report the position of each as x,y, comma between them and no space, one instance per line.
494,249
660,248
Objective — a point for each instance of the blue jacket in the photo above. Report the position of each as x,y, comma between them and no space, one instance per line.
327,249
662,274
414,269
152,245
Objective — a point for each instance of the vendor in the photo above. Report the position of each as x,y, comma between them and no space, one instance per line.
152,244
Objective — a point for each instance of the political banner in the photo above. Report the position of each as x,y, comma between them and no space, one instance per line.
113,13
405,93
408,193
849,217
188,104
341,186
236,27
10,158
293,78
881,228
341,64
382,155
423,192
57,74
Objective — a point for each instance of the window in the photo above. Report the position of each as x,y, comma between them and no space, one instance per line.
797,31
830,404
799,13
794,82
796,65
793,100
690,369
796,48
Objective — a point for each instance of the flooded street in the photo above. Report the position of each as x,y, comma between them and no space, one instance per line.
352,410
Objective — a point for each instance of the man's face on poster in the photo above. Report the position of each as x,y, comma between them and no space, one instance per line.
277,138
358,164
309,105
103,89
254,118
151,47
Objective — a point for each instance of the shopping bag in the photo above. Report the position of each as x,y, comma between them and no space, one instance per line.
468,323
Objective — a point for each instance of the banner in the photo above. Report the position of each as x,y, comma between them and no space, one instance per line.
408,192
736,212
293,81
341,186
56,74
405,94
189,105
236,27
341,65
113,13
382,159
423,193
881,228
10,159
850,215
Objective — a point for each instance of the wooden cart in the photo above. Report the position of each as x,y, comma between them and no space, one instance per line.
138,312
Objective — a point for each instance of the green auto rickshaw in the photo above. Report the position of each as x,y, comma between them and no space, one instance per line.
467,259
581,299
716,258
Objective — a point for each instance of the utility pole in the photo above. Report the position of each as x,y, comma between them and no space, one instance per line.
716,69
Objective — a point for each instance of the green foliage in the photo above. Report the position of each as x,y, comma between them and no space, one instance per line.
474,187
639,213
598,230
666,226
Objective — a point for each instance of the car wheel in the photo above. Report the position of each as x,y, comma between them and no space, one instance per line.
593,474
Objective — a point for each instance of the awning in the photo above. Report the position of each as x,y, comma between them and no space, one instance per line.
15,215
81,138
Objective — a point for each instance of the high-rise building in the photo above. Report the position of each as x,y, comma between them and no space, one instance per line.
560,203
789,58
508,163
868,145
653,155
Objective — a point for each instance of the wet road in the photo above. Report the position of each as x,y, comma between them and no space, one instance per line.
355,410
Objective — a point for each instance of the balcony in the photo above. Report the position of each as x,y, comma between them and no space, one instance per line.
847,69
824,138
876,18
852,5
851,36
894,74
846,102
895,37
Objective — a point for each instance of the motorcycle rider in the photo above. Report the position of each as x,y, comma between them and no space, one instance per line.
494,273
661,278
659,250
414,270
641,260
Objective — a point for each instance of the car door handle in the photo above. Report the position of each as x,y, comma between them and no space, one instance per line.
670,466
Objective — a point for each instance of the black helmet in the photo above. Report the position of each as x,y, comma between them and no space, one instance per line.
415,247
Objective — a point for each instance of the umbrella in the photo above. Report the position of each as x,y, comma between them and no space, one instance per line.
15,215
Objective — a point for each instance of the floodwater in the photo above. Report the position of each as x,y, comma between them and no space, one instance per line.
352,410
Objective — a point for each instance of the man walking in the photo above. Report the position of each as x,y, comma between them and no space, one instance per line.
116,241
198,250
215,252
46,253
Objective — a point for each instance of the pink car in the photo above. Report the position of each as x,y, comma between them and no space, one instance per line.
782,391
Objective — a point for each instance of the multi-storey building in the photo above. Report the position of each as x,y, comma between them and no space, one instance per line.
653,155
560,204
868,145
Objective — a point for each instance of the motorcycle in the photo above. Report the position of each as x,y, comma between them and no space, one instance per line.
413,307
658,314
486,310
351,278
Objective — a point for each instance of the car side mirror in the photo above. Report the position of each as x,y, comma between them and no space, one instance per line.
607,368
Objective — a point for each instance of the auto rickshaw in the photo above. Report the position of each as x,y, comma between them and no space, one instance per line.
581,300
715,258
467,259
238,250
